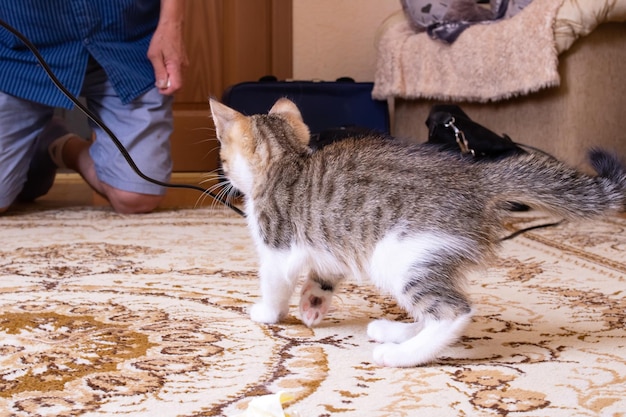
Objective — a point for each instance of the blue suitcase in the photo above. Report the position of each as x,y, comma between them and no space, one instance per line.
331,109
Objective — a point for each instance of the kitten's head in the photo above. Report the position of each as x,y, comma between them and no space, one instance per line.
250,145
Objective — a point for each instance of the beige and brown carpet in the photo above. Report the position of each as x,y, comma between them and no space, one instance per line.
109,315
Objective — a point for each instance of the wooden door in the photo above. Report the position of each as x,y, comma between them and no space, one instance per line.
227,41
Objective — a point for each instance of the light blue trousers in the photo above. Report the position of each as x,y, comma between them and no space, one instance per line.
143,126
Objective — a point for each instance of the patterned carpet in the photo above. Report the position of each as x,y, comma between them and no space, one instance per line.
109,315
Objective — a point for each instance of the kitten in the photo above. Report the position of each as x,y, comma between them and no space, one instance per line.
412,219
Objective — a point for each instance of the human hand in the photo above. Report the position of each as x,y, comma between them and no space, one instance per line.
167,50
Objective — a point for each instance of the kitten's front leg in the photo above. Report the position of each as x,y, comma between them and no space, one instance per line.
276,290
315,299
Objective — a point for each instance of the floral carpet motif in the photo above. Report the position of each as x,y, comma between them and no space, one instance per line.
103,314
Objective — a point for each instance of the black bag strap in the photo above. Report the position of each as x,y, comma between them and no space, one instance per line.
452,129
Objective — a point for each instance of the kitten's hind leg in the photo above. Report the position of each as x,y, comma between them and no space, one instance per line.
389,331
425,274
443,314
315,299
425,346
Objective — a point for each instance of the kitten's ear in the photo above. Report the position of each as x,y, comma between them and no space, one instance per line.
285,106
223,117
290,111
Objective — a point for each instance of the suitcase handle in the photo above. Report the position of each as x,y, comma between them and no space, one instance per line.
273,79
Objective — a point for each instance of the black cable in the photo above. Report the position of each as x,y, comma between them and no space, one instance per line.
105,128
527,229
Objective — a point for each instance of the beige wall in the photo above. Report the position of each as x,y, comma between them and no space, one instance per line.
335,38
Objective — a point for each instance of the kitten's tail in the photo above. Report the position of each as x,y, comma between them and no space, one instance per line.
545,183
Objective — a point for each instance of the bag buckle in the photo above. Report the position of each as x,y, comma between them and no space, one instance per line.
459,136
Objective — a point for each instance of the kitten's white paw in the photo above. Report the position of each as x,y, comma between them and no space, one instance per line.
393,355
377,331
387,331
429,339
262,313
314,303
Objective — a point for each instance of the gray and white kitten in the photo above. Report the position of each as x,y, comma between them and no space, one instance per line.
410,218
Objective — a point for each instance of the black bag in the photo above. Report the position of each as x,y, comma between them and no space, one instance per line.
452,129
331,109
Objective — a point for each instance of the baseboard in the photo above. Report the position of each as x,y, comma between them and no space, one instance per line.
71,189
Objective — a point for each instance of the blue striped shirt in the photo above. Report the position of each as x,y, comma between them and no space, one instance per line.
116,33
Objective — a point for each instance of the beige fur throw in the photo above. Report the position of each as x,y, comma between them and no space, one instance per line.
488,62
